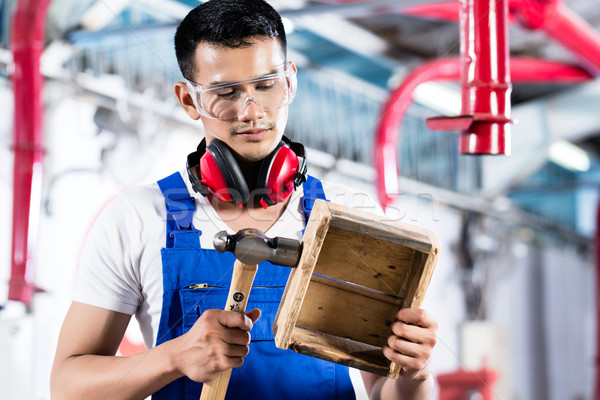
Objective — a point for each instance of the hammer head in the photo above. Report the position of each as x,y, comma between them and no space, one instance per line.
252,246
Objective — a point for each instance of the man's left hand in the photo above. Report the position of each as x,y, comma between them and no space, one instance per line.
412,342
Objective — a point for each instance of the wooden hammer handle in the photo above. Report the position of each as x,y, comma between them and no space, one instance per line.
241,283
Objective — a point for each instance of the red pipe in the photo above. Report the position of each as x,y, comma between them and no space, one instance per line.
532,70
393,112
551,16
485,80
445,10
392,115
485,77
27,44
562,25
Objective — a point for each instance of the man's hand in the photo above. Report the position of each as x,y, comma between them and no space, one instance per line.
85,366
218,341
410,347
412,342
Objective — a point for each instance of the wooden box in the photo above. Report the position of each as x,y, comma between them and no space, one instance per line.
356,271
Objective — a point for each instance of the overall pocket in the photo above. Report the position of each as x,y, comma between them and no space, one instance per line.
196,299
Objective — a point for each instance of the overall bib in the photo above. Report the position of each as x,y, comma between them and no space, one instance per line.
197,279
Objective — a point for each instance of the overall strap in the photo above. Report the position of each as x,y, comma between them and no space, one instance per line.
179,205
313,190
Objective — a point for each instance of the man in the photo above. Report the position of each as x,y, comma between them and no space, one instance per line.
157,261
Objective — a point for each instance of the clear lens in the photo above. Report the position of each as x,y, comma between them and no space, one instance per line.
228,102
224,102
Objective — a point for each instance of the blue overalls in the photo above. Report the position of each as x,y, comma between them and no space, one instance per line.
197,279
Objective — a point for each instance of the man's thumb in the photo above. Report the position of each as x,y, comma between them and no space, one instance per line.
253,314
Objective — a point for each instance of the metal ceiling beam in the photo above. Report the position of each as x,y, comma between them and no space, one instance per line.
354,9
497,207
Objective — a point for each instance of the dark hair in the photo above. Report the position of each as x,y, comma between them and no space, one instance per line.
227,23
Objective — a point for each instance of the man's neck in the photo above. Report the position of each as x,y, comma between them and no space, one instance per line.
249,170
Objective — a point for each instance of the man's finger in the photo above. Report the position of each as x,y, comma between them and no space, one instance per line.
410,349
232,319
417,316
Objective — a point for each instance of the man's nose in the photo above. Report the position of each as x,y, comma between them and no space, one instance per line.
251,110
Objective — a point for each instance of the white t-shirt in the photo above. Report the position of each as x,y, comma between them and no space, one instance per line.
121,268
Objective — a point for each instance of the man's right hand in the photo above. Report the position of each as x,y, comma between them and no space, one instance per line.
86,367
218,341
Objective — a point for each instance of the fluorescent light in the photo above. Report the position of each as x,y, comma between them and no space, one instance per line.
438,97
344,33
101,13
569,156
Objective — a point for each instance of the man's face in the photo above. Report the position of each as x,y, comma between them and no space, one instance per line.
254,133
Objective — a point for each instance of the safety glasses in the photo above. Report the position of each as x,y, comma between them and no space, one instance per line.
228,100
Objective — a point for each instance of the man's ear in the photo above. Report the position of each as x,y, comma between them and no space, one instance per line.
293,81
185,99
293,67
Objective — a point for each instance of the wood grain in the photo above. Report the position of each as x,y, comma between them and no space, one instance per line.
237,299
355,272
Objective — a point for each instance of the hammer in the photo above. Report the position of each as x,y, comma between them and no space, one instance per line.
250,247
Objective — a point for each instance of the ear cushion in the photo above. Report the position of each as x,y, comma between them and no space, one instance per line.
276,178
222,175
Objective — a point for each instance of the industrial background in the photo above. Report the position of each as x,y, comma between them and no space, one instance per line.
387,102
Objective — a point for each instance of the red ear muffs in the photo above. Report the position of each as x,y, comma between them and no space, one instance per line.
278,174
221,174
275,180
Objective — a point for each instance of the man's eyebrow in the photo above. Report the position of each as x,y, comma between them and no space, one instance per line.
221,83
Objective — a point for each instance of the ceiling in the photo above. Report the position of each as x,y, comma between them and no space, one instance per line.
351,53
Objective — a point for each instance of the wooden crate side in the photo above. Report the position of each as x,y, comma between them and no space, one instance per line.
355,251
370,262
381,227
348,311
295,289
423,284
343,351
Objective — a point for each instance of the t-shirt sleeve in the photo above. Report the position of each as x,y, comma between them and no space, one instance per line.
108,276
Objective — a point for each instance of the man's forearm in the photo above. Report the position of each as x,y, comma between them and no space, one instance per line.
402,388
113,377
408,389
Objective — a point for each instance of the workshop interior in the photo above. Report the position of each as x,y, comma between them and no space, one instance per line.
478,120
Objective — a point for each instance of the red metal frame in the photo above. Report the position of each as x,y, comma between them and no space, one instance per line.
562,25
550,16
387,135
27,43
388,130
444,10
463,384
485,80
485,77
